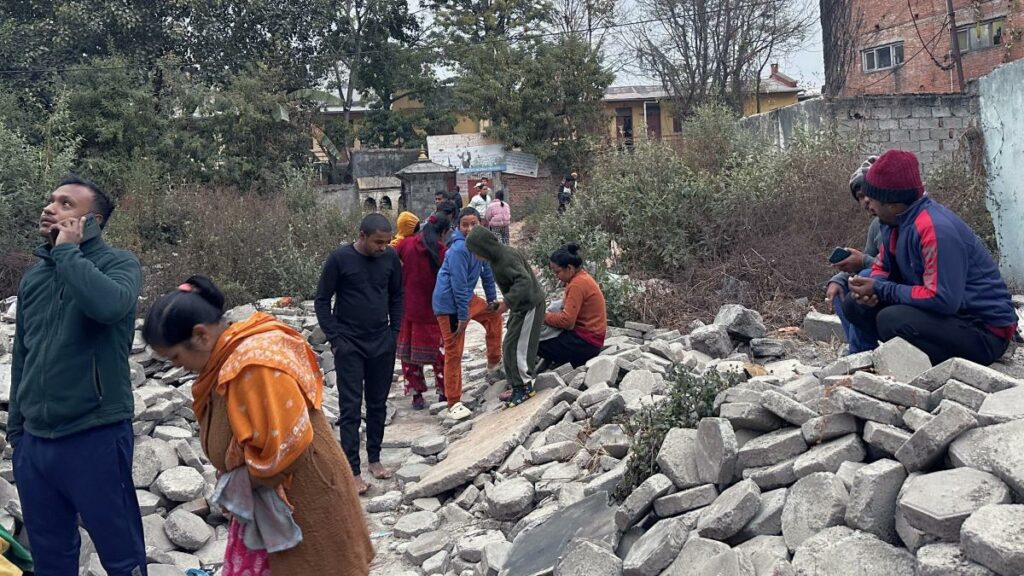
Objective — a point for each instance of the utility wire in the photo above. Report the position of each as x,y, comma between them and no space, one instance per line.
913,19
906,60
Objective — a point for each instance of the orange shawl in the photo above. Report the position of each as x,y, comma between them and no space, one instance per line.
269,378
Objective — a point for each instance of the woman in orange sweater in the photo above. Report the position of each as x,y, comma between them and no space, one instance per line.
583,317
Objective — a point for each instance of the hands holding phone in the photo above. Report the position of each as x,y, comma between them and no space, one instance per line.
70,231
852,260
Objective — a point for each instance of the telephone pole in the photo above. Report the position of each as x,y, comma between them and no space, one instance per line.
954,42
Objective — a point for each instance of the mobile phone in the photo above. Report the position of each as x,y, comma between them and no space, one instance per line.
838,255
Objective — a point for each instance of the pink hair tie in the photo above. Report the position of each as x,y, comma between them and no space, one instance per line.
186,287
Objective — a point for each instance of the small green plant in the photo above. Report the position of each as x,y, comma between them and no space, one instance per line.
690,398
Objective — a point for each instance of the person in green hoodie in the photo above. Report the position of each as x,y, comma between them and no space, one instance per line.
71,394
524,300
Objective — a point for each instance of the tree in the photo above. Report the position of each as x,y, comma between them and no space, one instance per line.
463,24
705,50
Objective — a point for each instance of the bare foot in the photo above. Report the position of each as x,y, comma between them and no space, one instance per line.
379,471
361,485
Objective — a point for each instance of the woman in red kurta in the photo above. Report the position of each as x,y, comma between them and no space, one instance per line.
419,341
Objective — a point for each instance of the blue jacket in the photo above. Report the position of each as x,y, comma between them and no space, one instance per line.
932,260
457,278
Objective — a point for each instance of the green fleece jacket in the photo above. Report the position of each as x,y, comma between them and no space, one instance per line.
75,325
512,272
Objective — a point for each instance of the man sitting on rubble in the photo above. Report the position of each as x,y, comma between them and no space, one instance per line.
934,283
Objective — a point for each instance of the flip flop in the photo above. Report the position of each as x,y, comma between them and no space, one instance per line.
459,411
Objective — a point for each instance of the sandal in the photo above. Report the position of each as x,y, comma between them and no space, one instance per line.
458,411
520,395
418,403
505,395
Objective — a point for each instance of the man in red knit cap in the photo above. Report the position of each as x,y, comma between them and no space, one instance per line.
934,283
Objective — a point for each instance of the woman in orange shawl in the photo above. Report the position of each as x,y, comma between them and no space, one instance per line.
258,404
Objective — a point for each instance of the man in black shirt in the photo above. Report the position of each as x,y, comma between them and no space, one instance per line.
365,280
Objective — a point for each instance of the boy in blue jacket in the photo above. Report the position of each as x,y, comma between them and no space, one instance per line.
934,283
455,305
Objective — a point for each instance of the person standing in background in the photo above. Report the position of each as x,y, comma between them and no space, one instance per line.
499,216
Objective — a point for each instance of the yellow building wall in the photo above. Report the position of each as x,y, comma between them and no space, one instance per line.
637,109
463,124
769,102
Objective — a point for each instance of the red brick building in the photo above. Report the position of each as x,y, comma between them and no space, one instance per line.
904,48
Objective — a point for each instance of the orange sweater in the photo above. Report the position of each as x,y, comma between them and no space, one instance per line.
583,311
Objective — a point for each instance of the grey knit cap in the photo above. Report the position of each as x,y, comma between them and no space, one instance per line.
857,178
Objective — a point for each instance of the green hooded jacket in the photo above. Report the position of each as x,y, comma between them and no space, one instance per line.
512,272
75,326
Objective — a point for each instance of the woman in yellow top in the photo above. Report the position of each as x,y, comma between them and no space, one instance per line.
258,404
405,227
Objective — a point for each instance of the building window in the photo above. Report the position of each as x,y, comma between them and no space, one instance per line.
883,57
677,124
981,35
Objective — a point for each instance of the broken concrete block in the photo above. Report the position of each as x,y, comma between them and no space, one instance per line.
604,371
771,448
867,408
677,458
947,560
712,340
696,554
751,416
554,452
981,377
536,550
730,512
886,438
828,427
914,418
427,545
716,451
429,444
611,439
889,390
742,323
992,537
995,449
772,477
656,549
969,396
938,503
873,495
412,525
768,520
929,443
609,409
767,348
586,558
643,381
829,456
1003,406
685,501
814,503
823,327
786,408
640,501
840,551
511,499
847,470
901,360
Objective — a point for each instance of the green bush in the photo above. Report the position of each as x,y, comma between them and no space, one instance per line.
965,192
690,398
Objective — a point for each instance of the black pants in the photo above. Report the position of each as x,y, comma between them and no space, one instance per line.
567,348
940,337
360,377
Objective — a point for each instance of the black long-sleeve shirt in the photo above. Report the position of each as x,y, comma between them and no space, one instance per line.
367,294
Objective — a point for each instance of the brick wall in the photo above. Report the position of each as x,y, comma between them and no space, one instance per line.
930,125
521,191
888,21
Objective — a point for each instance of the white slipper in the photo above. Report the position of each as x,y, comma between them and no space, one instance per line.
459,412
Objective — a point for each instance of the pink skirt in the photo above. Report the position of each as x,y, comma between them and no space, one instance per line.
239,560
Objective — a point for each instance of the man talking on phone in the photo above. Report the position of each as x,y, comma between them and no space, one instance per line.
71,395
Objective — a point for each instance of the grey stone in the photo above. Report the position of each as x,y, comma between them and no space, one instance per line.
677,458
994,537
768,564
938,503
427,545
656,549
609,409
594,396
828,427
995,449
585,558
771,448
148,502
829,456
981,377
187,530
730,512
886,438
768,520
163,570
554,452
564,431
685,501
535,551
510,499
643,381
212,555
416,523
180,484
751,416
388,502
695,556
603,371
712,340
786,408
901,360
728,563
823,327
947,560
840,551
814,503
428,504
774,545
740,322
154,533
968,396
493,557
429,444
1003,406
436,564
145,465
737,394
929,443
607,482
471,546
640,501
546,380
171,433
867,408
413,472
611,439
638,327
772,477
873,494
915,419
716,451
889,390
767,348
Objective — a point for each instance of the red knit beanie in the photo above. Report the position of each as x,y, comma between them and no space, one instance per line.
895,178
